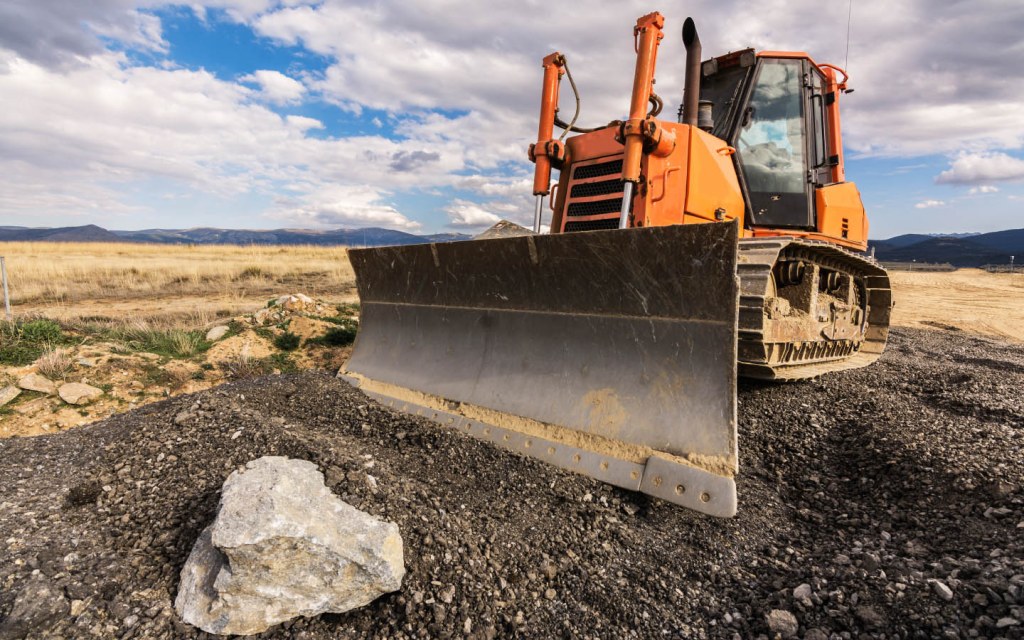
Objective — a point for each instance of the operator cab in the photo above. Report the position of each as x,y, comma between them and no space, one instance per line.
772,108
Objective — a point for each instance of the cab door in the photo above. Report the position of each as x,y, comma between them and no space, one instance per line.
774,145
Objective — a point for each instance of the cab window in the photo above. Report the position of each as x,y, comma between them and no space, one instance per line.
772,146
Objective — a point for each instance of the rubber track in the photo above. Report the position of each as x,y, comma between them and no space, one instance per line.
757,256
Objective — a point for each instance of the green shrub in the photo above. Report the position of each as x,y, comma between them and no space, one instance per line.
287,341
340,336
22,343
173,343
41,331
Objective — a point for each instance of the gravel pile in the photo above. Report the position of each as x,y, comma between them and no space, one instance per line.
886,502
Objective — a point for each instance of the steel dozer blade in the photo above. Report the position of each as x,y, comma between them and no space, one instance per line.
609,353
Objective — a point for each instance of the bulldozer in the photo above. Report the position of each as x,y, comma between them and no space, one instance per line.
679,256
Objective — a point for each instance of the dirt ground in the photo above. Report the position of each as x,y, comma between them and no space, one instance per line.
886,502
973,300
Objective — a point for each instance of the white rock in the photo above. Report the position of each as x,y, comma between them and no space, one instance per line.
36,382
282,545
942,590
217,333
782,622
803,594
78,393
8,393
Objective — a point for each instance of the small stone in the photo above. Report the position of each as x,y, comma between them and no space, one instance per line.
8,393
1002,623
550,594
870,617
782,622
803,594
815,634
942,590
86,362
217,333
131,621
78,393
871,562
37,382
842,559
77,607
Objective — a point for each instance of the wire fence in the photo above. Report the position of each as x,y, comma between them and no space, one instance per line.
1003,268
918,266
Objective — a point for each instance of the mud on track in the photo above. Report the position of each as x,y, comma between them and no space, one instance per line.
865,485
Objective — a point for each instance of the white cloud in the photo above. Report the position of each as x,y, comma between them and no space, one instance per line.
118,126
275,87
303,123
929,204
468,215
335,205
973,168
985,188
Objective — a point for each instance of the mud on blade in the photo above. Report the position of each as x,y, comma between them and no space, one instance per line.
610,353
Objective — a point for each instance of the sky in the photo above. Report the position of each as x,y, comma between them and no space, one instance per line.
138,114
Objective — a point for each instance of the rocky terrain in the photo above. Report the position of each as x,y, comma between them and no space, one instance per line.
886,502
54,377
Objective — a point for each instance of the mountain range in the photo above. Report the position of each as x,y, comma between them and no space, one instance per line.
369,237
961,250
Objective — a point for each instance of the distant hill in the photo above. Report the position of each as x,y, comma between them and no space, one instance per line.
369,237
88,233
961,250
504,229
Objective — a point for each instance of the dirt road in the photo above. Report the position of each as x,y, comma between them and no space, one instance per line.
883,502
973,300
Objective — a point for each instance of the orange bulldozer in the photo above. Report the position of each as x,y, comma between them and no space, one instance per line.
680,255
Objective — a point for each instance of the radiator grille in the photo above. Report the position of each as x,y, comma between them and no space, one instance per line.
590,189
597,170
595,208
592,225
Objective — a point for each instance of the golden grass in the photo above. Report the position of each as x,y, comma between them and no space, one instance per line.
85,279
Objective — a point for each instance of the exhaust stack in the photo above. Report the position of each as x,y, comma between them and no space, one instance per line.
691,91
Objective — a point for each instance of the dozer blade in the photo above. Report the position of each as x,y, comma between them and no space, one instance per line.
609,353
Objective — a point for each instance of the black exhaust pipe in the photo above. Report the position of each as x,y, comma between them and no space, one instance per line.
691,91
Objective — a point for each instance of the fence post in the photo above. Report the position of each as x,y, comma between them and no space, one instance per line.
7,298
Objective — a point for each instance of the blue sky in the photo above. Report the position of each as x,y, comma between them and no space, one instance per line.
321,113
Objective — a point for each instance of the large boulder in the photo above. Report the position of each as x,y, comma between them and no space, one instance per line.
78,393
37,382
282,545
217,332
8,393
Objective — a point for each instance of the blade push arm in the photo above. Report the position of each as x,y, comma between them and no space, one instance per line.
547,150
641,130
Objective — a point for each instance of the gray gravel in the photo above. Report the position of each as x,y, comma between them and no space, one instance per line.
885,502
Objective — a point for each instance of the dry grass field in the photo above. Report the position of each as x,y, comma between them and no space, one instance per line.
166,284
133,320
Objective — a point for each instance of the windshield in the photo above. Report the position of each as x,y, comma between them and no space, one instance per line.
724,90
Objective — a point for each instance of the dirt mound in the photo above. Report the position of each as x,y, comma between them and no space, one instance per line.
880,502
